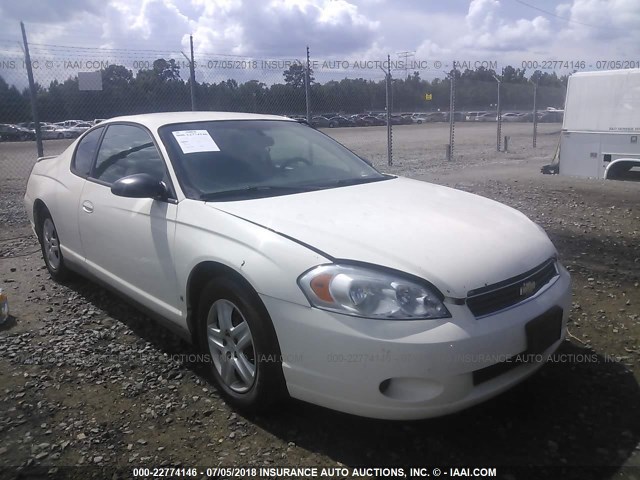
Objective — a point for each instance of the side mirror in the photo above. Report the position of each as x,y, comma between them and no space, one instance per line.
140,185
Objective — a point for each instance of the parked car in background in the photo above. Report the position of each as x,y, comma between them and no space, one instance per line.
340,121
457,116
511,117
419,118
14,133
437,117
397,119
471,116
527,117
551,116
487,117
79,128
357,119
280,254
50,132
372,121
407,117
26,125
69,123
319,122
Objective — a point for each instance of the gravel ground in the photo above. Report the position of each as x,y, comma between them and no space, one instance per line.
87,380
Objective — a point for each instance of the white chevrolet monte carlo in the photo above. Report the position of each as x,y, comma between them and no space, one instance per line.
299,268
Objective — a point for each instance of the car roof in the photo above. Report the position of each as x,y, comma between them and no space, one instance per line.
154,121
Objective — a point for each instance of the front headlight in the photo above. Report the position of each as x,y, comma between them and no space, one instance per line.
365,292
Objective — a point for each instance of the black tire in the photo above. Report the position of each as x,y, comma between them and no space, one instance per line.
50,247
268,384
60,136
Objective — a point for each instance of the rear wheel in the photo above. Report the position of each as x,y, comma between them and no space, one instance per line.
237,333
50,246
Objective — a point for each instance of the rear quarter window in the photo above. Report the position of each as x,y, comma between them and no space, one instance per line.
85,153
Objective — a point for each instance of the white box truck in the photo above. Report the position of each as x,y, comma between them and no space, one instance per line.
601,124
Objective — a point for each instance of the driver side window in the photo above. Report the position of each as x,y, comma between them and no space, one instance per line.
127,150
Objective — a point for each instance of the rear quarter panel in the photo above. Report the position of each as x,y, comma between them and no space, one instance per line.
52,182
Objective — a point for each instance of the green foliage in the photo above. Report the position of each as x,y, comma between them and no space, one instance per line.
14,107
294,75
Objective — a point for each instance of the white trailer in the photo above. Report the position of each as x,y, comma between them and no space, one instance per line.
601,124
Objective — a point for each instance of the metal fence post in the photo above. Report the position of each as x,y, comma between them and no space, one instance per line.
452,112
535,114
192,75
32,93
307,81
389,129
499,118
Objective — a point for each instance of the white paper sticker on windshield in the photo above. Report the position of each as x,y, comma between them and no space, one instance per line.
192,141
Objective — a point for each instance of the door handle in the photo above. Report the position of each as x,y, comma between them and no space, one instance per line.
87,206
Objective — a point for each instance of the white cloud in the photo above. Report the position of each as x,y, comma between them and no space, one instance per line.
489,32
340,29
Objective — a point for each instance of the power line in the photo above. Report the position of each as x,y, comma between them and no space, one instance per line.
406,55
49,46
551,14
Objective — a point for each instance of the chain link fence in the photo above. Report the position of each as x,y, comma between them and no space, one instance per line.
77,87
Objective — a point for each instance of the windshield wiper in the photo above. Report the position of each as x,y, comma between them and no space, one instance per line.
357,181
257,191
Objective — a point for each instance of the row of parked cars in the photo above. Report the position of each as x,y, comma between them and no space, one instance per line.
546,116
332,120
26,131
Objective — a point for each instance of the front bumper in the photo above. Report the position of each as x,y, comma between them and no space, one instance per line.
408,369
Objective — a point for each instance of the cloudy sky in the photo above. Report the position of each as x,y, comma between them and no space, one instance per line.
507,31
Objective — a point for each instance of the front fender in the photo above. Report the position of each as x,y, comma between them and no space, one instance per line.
268,261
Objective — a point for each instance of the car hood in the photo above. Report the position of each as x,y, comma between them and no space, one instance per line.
455,240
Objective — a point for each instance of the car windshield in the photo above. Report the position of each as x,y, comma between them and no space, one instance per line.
237,159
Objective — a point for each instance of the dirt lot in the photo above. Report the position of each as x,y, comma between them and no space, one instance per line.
87,380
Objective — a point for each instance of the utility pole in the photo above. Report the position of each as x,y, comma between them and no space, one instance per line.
405,56
32,93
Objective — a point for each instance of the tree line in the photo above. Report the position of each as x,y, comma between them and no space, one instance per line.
161,88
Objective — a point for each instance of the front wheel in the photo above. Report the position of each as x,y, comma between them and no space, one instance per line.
244,356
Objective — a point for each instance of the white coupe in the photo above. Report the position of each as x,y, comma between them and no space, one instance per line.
298,267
